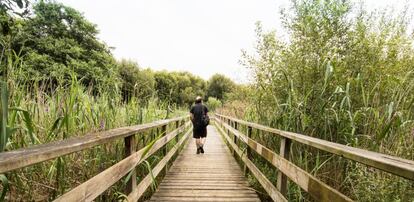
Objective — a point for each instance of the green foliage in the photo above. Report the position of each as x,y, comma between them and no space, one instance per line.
59,81
344,75
179,87
136,82
5,184
213,103
219,86
58,40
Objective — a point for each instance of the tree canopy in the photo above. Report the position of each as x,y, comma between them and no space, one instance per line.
56,44
58,40
219,86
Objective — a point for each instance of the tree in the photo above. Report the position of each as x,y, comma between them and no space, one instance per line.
178,87
136,82
343,75
213,103
219,86
57,40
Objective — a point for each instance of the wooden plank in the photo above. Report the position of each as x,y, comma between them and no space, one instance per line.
284,153
217,186
248,150
212,176
266,184
146,182
316,188
28,156
130,148
92,188
395,165
203,199
203,193
164,148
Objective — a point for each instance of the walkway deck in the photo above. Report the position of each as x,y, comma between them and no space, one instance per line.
213,176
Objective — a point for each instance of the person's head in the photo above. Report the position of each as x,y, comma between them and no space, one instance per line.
199,99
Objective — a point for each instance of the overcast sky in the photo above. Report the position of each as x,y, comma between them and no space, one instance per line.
200,36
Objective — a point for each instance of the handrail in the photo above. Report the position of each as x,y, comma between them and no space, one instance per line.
266,184
395,165
146,182
24,157
306,181
95,186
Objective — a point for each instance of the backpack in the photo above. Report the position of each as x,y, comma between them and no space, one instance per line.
206,120
201,119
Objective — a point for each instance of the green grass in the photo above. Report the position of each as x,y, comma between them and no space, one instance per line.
36,114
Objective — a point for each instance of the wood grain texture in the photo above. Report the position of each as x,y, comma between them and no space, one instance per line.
266,184
130,148
28,156
395,165
92,188
282,185
146,182
212,176
316,188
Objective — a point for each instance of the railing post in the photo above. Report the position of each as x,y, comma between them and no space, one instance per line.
130,148
228,134
235,125
177,125
284,153
248,149
164,149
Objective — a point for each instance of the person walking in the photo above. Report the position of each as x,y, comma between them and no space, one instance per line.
199,118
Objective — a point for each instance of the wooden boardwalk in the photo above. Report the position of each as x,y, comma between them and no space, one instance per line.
212,176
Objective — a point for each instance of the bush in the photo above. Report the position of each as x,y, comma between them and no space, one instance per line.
213,103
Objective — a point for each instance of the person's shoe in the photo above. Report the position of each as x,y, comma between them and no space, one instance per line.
198,150
202,150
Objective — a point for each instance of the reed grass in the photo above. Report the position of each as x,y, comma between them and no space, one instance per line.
38,113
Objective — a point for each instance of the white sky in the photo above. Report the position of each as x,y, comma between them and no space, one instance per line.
200,36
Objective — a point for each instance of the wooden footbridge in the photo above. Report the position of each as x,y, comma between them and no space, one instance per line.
213,176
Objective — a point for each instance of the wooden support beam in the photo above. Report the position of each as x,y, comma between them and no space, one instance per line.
266,184
130,148
95,186
20,158
248,150
316,188
395,165
235,137
165,149
177,125
281,178
146,182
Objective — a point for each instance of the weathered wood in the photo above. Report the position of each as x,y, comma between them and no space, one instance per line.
266,184
177,125
316,188
391,164
92,188
130,148
164,148
248,150
212,176
203,199
28,156
235,126
146,182
281,178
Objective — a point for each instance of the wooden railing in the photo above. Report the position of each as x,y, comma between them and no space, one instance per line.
320,191
95,186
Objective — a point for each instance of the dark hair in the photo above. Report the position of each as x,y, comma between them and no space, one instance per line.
198,101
